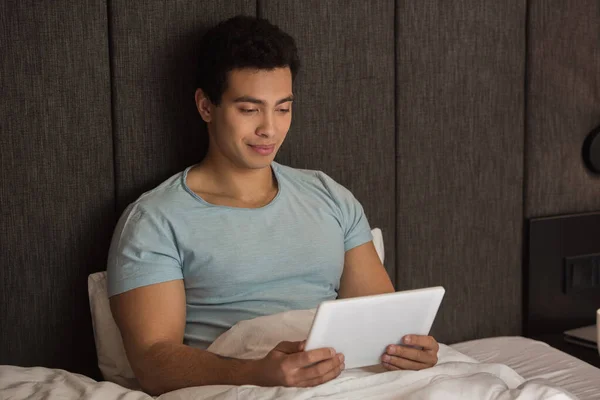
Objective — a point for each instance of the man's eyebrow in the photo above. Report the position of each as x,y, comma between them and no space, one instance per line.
289,98
250,99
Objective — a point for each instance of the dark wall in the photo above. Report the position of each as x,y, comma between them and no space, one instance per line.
57,191
459,84
563,103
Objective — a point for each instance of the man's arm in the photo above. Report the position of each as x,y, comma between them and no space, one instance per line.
152,323
363,273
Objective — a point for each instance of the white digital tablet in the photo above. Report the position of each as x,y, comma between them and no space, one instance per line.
362,327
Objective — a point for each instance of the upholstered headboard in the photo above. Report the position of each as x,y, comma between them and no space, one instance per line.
452,122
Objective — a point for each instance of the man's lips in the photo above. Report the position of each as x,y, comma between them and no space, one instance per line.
263,150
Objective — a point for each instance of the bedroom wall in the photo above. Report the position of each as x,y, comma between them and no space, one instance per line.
563,103
56,178
420,108
459,103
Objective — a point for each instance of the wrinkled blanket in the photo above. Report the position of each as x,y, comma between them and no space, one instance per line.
456,376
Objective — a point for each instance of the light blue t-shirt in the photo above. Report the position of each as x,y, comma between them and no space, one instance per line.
239,263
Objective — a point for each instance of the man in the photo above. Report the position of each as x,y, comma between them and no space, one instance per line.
239,236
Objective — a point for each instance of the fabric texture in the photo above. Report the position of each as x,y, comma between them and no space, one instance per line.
459,107
112,360
536,360
563,106
456,376
56,178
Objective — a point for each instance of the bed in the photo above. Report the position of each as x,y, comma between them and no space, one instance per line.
454,124
486,369
546,374
534,359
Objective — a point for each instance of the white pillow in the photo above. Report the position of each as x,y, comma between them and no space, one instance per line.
378,242
112,359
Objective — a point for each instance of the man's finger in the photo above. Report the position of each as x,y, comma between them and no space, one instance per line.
421,356
426,342
395,363
332,374
320,369
390,367
306,358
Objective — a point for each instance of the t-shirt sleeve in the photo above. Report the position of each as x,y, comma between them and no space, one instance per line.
353,220
142,252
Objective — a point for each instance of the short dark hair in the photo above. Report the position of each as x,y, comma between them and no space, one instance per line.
242,42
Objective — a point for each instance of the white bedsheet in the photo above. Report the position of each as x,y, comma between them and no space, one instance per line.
534,360
456,376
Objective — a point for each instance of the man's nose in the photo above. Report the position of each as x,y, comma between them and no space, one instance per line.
267,126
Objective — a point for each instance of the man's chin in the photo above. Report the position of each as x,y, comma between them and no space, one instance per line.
256,164
260,162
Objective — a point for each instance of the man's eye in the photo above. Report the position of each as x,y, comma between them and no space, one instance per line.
284,110
248,110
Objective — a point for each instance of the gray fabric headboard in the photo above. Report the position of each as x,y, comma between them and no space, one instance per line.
422,109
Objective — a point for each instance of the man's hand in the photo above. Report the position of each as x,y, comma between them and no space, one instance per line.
409,358
288,365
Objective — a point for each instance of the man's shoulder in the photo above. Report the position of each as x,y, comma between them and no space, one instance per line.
316,177
299,175
315,180
162,197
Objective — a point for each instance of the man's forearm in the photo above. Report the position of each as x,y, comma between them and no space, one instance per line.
169,366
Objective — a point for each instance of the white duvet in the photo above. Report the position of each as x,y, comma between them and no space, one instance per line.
456,376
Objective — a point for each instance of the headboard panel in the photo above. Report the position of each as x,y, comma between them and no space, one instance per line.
563,101
56,178
460,71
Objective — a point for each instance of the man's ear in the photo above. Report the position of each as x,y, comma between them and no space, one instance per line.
204,105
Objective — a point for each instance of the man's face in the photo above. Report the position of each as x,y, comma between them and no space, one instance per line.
254,116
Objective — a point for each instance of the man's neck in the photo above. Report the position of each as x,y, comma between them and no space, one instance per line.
218,175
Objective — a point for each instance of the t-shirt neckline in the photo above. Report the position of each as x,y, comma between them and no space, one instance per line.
275,170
